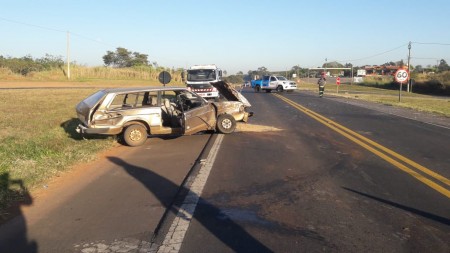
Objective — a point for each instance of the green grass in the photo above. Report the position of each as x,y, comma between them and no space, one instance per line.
38,138
37,133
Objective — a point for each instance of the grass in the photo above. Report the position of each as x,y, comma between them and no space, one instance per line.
426,103
38,137
37,133
37,126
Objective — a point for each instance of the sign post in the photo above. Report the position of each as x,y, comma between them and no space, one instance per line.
401,76
164,77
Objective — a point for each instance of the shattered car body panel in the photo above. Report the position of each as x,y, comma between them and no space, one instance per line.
154,111
231,94
236,103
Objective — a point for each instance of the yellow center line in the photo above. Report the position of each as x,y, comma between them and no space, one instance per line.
373,146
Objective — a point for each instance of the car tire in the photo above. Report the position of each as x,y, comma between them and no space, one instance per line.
226,124
257,88
134,135
280,88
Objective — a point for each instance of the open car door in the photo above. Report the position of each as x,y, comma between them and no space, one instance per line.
198,114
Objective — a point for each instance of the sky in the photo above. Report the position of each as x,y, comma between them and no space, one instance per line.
234,35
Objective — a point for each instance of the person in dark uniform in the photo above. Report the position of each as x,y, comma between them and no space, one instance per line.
321,82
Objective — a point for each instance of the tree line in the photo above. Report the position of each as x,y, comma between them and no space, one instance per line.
27,64
120,58
304,72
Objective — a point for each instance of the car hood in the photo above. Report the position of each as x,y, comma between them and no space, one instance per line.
230,93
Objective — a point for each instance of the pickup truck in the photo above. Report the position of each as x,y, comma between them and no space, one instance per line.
269,83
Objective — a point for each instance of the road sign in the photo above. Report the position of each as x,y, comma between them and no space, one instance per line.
164,77
401,75
338,81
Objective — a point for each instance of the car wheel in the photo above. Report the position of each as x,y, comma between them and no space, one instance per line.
135,135
226,124
257,88
280,88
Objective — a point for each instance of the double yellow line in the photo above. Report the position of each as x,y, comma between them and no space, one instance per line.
430,178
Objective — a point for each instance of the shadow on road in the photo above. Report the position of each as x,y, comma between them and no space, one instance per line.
13,234
237,239
424,214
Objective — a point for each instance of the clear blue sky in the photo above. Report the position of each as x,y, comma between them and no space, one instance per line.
235,35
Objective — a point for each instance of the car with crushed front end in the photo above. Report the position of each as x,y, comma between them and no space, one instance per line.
135,113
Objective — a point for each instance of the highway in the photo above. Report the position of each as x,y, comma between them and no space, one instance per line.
307,174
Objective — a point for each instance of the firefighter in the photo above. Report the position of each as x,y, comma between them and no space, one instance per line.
321,82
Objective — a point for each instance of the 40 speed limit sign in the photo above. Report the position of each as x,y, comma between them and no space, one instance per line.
401,75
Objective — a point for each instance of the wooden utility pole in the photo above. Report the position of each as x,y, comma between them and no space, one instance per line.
68,57
408,87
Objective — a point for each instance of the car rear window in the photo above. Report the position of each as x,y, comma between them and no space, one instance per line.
93,99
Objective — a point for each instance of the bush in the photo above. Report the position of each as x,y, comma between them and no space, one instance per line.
27,64
437,84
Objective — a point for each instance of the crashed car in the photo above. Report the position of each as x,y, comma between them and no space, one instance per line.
135,113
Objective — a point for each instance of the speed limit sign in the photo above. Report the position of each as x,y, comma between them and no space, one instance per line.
401,75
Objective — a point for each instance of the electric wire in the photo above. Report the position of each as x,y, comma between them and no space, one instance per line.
56,30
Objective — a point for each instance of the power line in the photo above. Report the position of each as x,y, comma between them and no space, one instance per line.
372,56
94,40
431,43
396,48
375,55
26,24
55,30
424,58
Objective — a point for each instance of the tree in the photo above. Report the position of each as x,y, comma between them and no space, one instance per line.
27,64
443,66
418,69
389,64
400,63
348,72
333,64
258,73
123,58
300,72
234,79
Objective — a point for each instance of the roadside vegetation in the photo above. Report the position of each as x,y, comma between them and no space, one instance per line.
37,127
434,104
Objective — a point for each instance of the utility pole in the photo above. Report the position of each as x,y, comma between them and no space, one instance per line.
408,87
351,82
68,53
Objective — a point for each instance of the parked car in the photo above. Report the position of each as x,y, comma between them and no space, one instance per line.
135,113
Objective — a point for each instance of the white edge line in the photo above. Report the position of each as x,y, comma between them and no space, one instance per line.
175,236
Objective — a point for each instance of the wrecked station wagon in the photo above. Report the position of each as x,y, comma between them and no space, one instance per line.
135,113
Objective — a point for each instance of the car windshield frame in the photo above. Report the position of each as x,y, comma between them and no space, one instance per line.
281,78
195,75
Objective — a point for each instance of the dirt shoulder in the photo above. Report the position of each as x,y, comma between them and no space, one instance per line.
80,84
38,84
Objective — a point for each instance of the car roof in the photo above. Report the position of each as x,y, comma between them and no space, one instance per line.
142,89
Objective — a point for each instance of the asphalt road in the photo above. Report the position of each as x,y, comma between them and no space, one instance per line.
336,178
309,188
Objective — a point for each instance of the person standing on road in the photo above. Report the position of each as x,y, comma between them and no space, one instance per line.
321,82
